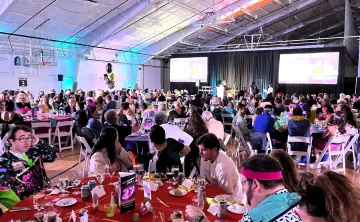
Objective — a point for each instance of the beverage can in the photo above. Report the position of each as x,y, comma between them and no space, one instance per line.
91,184
222,208
85,192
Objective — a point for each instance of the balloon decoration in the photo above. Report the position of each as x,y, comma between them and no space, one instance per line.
109,77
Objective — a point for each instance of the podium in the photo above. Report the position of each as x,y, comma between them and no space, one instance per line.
220,91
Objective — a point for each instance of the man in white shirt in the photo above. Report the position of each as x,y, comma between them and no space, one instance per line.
214,126
216,167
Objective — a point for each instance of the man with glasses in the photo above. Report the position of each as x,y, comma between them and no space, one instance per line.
21,166
266,195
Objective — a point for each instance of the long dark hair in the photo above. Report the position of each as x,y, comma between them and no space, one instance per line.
197,124
107,140
340,122
290,175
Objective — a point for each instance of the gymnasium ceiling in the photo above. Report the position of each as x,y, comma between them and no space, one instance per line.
165,27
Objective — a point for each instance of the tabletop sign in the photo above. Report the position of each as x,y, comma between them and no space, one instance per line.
22,82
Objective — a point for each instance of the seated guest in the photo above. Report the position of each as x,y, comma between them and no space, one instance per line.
206,106
214,126
264,123
310,100
22,103
21,167
287,100
45,107
9,117
298,125
70,108
289,172
177,112
108,153
329,197
110,104
240,121
279,107
216,167
80,106
266,193
93,123
169,149
196,128
258,111
326,114
112,120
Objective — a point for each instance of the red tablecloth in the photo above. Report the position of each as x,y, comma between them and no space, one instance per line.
175,203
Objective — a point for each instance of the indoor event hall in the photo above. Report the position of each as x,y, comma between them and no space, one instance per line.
179,110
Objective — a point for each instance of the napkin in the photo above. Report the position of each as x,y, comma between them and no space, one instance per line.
99,190
154,186
187,183
55,191
213,209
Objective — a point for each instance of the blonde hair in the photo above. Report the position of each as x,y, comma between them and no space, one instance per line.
24,95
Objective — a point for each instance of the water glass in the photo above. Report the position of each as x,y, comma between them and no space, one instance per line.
63,184
38,201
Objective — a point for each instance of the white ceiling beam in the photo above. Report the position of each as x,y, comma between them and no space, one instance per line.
302,24
6,6
105,30
160,46
267,19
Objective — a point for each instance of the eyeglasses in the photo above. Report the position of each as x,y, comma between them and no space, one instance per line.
23,139
244,181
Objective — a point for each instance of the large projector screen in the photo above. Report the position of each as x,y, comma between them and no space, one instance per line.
189,69
309,68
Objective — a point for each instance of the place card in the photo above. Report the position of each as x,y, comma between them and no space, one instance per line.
147,190
187,183
213,209
72,217
145,208
99,190
154,186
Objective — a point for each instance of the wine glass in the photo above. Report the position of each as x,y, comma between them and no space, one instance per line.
175,170
38,201
63,184
169,175
102,178
76,181
141,173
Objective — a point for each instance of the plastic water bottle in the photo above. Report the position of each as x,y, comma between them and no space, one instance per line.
201,197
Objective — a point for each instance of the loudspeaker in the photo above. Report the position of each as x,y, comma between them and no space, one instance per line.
60,77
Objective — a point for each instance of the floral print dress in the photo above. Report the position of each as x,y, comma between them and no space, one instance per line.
26,177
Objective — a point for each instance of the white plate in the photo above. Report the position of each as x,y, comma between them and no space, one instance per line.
237,209
66,202
229,199
183,192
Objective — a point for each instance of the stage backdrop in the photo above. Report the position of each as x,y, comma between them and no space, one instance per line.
247,67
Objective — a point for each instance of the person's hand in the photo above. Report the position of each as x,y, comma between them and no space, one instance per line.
35,140
191,213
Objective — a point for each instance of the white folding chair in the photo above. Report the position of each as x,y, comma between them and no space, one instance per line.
152,166
343,139
246,146
180,122
300,139
226,138
269,147
3,143
84,153
227,116
348,148
46,125
182,161
66,133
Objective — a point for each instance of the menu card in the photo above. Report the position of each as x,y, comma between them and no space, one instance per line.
127,189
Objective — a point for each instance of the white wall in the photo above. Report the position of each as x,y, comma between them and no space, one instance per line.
149,75
38,77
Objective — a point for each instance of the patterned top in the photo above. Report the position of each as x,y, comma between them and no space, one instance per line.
26,177
291,215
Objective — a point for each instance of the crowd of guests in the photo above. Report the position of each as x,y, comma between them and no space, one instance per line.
104,119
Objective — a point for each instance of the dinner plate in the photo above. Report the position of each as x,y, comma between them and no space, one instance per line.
183,192
66,202
229,199
236,209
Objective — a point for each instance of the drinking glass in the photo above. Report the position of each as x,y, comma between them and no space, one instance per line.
175,170
158,217
169,175
76,181
63,184
102,178
38,201
141,173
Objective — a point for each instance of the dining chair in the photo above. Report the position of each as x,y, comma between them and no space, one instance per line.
227,116
64,129
343,139
43,125
84,152
300,139
349,148
269,147
226,138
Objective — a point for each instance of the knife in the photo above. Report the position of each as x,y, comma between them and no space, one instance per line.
21,209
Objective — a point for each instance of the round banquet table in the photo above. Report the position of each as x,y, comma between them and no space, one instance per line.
174,203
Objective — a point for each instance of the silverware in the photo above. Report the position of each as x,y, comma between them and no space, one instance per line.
24,209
